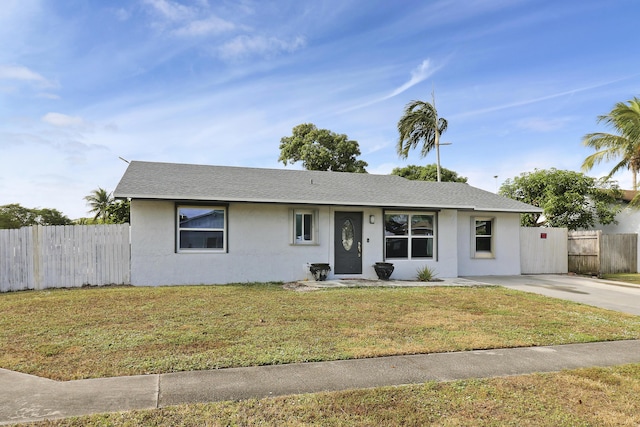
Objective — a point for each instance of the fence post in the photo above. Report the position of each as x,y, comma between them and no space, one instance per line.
599,255
36,256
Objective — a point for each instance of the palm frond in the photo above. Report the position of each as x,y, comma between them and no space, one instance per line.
419,125
622,146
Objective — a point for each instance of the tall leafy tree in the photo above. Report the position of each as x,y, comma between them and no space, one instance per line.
321,150
428,173
622,146
99,200
569,199
47,216
17,216
119,212
421,126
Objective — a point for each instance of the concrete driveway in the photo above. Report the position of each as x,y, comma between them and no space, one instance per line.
607,294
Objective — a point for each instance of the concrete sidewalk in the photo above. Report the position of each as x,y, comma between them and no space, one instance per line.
26,398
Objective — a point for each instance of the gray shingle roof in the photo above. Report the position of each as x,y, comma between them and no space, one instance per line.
172,181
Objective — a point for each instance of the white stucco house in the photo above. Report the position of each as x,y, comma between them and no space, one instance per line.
197,224
627,221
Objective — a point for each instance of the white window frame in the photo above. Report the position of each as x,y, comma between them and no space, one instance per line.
409,236
199,229
475,253
313,224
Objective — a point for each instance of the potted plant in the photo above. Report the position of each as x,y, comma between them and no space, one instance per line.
383,270
320,270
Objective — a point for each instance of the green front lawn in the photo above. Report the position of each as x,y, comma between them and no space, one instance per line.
98,332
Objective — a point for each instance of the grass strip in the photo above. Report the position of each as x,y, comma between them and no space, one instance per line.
583,397
632,278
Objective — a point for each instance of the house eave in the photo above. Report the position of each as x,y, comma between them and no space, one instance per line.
522,211
181,198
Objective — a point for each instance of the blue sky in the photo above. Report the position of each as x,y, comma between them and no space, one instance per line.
84,82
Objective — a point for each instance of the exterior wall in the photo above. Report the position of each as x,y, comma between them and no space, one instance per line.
258,243
259,246
506,232
628,222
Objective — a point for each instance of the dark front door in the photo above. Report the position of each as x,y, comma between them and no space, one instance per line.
348,243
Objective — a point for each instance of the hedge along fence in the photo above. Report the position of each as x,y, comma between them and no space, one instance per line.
42,257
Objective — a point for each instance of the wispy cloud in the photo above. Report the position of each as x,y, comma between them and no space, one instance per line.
538,124
188,21
21,73
63,120
171,10
46,95
203,27
122,14
244,45
419,74
542,98
229,40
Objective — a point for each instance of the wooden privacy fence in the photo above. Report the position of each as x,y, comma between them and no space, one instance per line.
543,250
64,256
591,252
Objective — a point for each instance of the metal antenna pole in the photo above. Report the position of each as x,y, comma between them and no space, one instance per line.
437,139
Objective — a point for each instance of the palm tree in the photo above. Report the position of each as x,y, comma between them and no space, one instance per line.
99,200
623,145
421,124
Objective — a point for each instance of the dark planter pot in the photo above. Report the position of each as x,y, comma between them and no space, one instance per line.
320,270
383,270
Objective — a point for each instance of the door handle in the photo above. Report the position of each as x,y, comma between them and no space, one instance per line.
359,249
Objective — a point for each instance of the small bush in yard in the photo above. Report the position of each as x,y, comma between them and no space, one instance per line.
426,274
